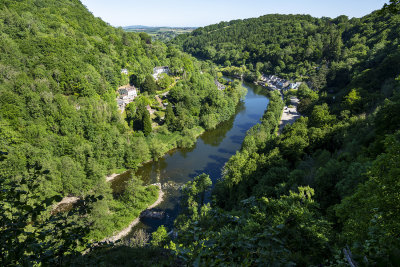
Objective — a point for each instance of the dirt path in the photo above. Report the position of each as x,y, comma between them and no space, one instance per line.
111,177
289,115
127,230
65,201
72,200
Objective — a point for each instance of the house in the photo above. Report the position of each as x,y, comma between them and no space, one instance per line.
264,78
127,92
124,71
285,84
295,85
219,85
157,71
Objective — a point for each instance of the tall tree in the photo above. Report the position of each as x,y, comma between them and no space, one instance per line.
169,117
149,85
146,121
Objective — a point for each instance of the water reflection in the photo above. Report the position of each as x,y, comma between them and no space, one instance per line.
210,153
216,136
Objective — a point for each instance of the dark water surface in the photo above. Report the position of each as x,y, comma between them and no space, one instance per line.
210,153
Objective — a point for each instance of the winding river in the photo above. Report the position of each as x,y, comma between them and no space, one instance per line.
211,151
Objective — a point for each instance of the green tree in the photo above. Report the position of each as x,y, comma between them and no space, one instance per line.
29,235
321,117
149,85
165,81
146,121
169,117
160,237
353,101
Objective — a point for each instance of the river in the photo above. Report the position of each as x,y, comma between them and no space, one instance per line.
210,153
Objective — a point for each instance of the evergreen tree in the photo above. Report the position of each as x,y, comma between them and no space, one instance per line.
146,123
149,85
169,118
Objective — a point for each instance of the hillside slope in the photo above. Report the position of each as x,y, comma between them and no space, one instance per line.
61,131
324,192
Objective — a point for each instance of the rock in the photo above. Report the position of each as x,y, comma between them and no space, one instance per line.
152,214
171,185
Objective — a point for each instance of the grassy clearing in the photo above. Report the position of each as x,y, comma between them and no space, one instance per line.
122,211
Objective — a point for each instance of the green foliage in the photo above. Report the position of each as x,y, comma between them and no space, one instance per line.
328,181
165,81
146,123
193,196
30,233
169,117
353,100
370,217
344,148
294,234
59,71
160,237
393,7
149,85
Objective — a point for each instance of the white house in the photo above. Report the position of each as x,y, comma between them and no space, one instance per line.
127,92
159,70
295,85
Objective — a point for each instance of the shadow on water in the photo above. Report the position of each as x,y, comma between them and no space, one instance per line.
245,127
236,139
254,116
226,151
210,153
216,136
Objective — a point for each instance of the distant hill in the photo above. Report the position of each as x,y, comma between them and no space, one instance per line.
163,33
133,27
136,27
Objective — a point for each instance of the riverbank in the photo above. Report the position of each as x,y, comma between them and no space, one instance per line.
111,177
117,216
212,150
171,146
128,229
65,203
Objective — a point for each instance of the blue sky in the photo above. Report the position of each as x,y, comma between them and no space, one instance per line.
204,12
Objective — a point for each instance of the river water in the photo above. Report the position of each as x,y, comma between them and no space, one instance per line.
210,153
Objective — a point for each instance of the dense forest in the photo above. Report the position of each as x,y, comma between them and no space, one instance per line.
61,131
294,46
323,192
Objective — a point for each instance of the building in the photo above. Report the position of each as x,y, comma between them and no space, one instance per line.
219,85
295,85
157,71
127,94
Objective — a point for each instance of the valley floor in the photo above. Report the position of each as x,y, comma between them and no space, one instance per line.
128,229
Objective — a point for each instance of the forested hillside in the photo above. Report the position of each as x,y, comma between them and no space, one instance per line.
294,46
61,131
324,191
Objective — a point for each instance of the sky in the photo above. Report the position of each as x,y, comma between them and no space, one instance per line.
197,13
